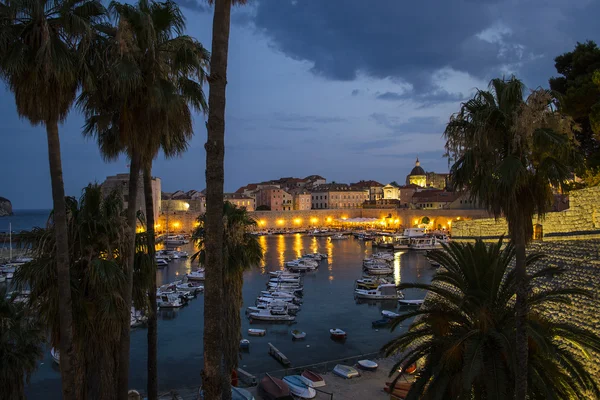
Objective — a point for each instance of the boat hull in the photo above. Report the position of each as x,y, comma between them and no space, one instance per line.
345,371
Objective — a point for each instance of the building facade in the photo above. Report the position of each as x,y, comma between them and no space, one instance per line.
301,199
273,197
334,196
240,200
375,189
423,179
120,182
391,192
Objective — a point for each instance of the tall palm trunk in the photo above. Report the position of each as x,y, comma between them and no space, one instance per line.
134,176
152,323
234,281
215,152
68,358
522,346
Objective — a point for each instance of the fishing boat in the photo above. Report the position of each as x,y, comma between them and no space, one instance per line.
257,332
379,270
368,365
386,291
299,387
296,334
244,344
269,315
317,380
345,371
389,314
413,303
271,388
402,243
428,243
337,333
55,355
381,322
197,275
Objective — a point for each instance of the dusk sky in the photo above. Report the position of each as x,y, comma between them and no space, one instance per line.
347,89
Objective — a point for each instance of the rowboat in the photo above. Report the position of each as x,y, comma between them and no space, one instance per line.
337,333
345,371
257,332
368,365
299,387
244,344
410,302
317,380
389,314
271,388
298,334
381,322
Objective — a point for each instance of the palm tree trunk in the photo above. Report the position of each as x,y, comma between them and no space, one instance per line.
215,152
152,323
233,281
134,176
68,358
521,343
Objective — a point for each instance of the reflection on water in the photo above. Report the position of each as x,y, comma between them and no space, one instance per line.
262,240
328,303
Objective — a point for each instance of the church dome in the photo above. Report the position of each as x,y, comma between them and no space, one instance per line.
417,170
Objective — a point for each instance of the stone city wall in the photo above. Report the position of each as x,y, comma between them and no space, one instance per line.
181,221
580,221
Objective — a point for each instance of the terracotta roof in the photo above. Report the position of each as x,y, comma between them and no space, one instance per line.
367,184
435,196
236,196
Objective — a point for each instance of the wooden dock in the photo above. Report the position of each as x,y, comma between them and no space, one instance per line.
279,356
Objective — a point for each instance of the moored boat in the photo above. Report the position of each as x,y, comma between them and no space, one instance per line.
317,380
271,388
257,332
55,355
381,322
345,371
368,365
337,333
296,334
389,314
244,344
169,300
197,275
299,386
386,291
379,270
414,303
269,315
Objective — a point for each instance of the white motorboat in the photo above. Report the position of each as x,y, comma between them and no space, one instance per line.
368,365
55,355
285,279
345,371
402,243
384,256
197,275
291,307
284,285
277,274
300,387
264,299
338,237
410,302
296,334
169,300
181,254
257,332
189,287
371,262
383,292
160,255
313,256
337,333
389,314
302,263
275,294
244,344
379,270
425,243
267,315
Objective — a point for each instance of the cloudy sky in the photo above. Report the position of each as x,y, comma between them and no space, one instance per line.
348,89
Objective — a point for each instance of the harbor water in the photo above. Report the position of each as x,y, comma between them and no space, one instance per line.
328,303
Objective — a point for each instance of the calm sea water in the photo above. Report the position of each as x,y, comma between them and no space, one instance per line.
328,303
24,220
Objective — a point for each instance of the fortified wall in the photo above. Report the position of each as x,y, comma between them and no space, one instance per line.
184,221
580,221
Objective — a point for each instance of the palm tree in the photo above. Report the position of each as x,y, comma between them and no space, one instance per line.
21,346
509,153
138,101
212,380
463,338
241,251
98,238
41,44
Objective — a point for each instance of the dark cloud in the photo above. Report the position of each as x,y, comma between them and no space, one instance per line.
420,125
194,5
410,40
355,92
426,99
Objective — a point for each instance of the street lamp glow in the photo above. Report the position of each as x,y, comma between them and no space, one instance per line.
297,220
280,222
186,206
314,220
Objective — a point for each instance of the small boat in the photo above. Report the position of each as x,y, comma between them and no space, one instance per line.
181,254
345,371
379,269
268,315
244,344
2,278
414,303
368,365
189,287
240,394
383,292
317,380
55,355
271,388
337,333
381,322
161,263
389,314
9,275
338,237
169,300
299,387
298,334
257,332
197,275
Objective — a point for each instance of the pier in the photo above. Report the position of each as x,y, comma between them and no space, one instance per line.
279,356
